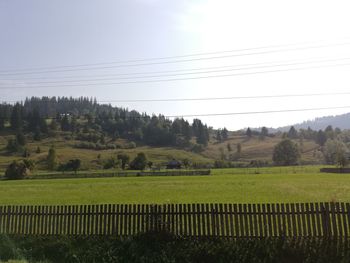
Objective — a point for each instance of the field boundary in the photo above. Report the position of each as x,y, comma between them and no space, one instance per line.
122,174
187,220
335,170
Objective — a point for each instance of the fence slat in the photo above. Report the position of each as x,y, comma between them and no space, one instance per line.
232,232
255,220
289,224
348,216
199,221
259,221
227,226
313,219
334,220
221,216
339,219
241,222
345,223
251,222
185,220
269,220
325,220
245,220
189,220
263,208
117,219
318,220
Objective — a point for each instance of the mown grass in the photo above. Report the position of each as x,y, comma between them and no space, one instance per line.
266,185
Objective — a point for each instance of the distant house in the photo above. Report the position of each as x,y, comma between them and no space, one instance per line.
174,164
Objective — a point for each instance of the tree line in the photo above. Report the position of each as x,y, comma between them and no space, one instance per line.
93,122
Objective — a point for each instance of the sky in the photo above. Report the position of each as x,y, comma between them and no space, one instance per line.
184,49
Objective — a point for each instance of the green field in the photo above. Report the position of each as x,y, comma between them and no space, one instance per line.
299,184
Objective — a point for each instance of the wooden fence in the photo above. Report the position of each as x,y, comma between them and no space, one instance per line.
189,220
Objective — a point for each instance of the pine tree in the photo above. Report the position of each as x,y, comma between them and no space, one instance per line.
65,125
16,118
249,132
224,134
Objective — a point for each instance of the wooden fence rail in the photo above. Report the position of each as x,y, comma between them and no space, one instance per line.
189,220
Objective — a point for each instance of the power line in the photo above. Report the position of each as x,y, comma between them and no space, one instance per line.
255,112
177,79
191,73
230,98
38,70
180,70
154,58
232,113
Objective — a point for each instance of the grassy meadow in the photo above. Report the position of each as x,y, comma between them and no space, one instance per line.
248,185
253,148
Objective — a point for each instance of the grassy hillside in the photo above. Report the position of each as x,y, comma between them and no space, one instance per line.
225,185
253,148
256,148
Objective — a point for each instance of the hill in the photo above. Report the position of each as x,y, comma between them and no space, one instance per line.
80,128
339,121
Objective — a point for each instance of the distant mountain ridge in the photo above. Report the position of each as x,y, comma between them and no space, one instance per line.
338,121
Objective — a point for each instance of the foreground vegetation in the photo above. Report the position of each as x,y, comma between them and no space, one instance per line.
162,247
285,184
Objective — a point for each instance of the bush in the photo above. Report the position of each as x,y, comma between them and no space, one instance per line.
71,165
111,163
139,163
286,153
30,164
124,159
17,170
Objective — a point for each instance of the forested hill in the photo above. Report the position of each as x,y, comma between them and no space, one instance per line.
97,123
339,121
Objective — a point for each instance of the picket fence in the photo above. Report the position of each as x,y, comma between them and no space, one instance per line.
187,220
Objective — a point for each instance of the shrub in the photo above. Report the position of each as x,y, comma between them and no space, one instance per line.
52,159
71,165
30,164
111,163
124,159
286,153
17,170
139,163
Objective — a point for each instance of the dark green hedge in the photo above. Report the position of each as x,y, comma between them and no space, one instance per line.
165,248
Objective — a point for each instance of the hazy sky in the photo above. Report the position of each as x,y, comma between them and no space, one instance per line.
36,35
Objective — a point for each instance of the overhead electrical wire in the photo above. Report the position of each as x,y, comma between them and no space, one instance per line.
191,73
87,66
234,67
174,79
233,113
228,98
255,112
